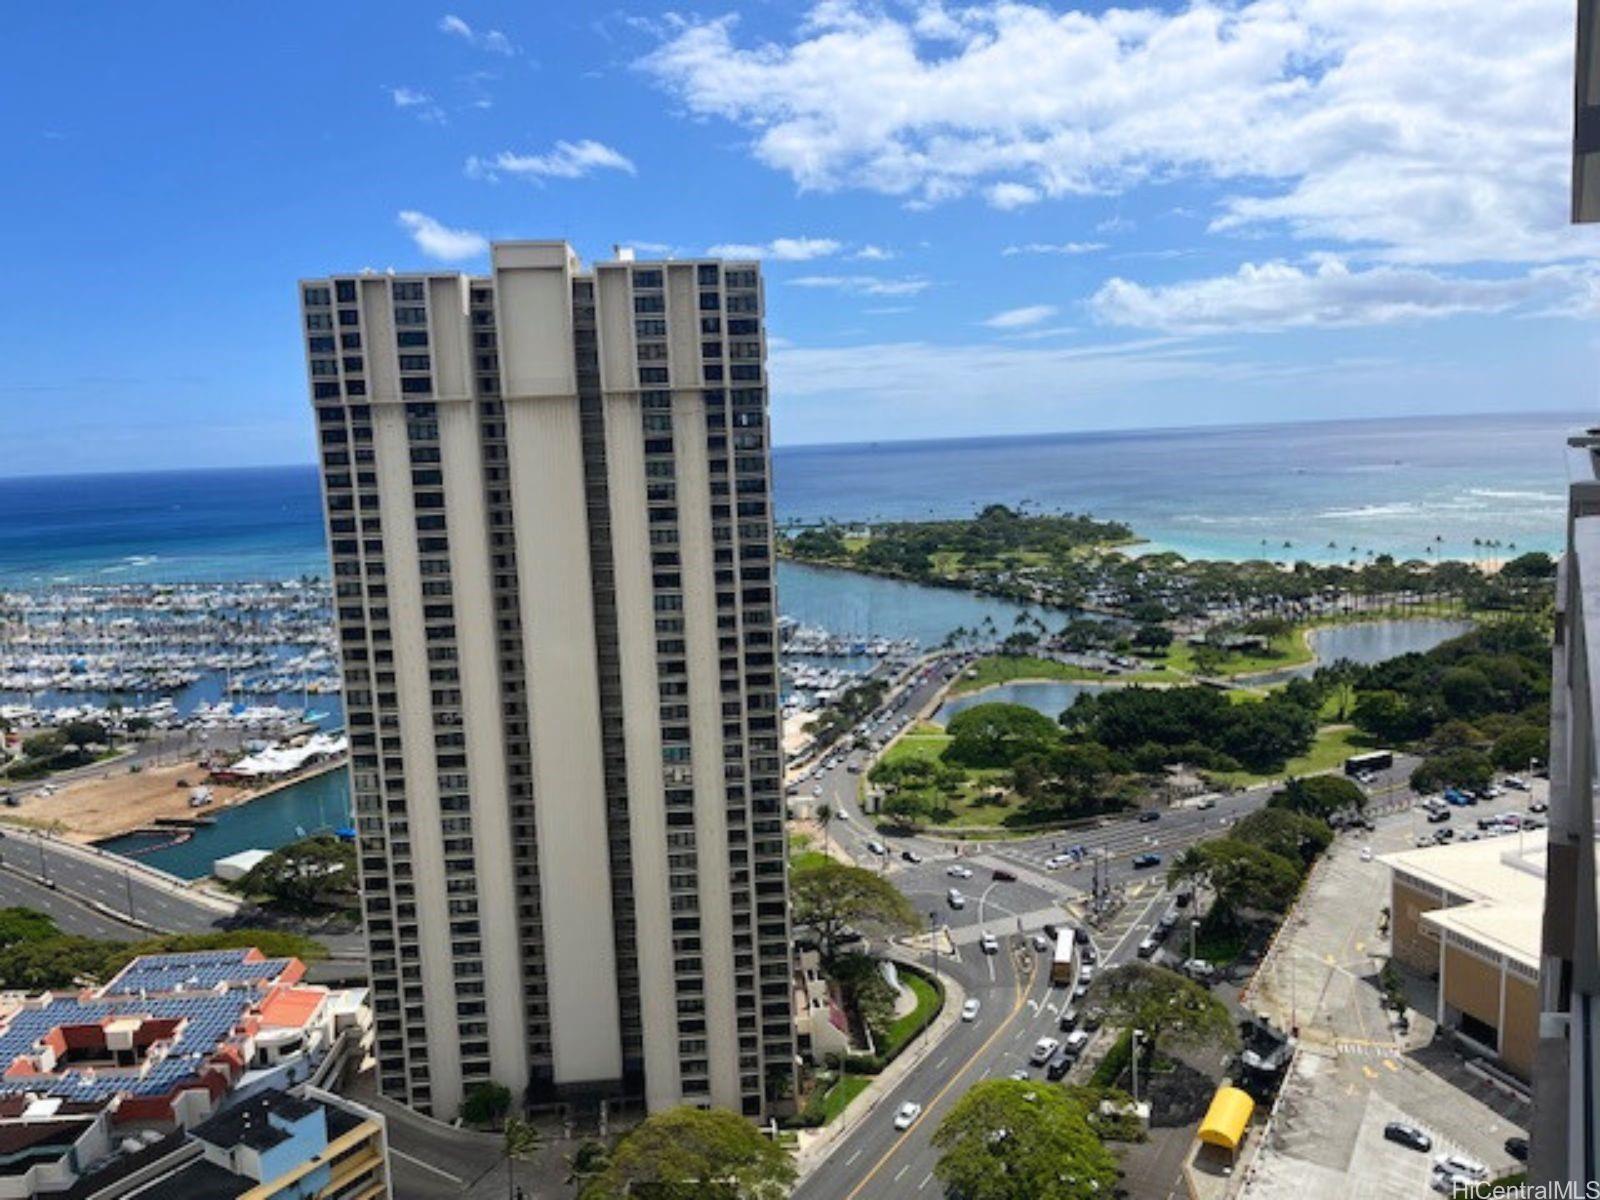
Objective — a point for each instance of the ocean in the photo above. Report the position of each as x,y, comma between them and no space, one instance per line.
1324,491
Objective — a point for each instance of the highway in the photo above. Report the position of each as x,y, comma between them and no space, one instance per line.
97,879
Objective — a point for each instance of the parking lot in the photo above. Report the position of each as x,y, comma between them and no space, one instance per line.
1355,1071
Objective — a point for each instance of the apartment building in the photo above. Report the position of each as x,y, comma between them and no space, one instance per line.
549,517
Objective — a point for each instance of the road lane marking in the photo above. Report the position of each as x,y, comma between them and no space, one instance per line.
853,1157
955,1078
426,1166
941,1062
924,1182
901,1172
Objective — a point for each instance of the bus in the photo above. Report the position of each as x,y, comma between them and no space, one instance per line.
1064,967
1372,760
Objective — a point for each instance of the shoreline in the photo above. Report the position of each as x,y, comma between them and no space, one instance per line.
1307,634
116,809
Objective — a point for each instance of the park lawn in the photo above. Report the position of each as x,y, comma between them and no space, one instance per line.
807,859
918,746
838,1097
1334,744
902,1029
1289,650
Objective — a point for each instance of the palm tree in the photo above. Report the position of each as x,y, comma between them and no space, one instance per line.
521,1140
825,816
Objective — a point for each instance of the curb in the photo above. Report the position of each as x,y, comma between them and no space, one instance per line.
811,1155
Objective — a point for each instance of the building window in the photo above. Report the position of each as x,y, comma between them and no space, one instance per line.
647,279
346,290
409,315
417,385
317,297
410,289
411,338
415,362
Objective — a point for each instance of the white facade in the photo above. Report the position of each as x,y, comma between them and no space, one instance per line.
549,514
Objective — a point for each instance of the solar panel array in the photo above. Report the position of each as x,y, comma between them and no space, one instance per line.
194,971
209,991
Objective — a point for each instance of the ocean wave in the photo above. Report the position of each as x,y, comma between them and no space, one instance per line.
1368,511
1513,494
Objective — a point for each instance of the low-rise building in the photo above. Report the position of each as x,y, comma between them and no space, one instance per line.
1468,915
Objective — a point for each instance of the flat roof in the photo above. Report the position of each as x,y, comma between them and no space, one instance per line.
1498,889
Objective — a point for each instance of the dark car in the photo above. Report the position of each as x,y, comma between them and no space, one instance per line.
1517,1147
1149,814
1052,932
1407,1135
1089,955
1182,899
1058,1065
1094,1018
1142,861
911,856
1080,935
1001,875
1438,815
1070,1018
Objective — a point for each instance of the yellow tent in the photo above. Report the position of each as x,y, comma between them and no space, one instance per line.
1225,1121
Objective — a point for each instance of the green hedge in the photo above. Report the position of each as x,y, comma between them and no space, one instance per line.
1112,1066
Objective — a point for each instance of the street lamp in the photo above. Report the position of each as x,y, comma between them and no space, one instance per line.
1133,1065
1194,931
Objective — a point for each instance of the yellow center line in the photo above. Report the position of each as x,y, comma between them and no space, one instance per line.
955,1078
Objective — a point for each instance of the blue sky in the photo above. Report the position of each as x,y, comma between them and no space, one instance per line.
977,218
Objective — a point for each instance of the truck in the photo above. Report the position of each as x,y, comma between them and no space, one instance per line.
1372,760
1064,966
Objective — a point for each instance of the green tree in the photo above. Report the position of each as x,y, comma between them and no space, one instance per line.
314,873
25,925
1518,746
519,1142
486,1104
1454,768
827,896
694,1154
1244,877
1319,796
1171,1010
996,735
1286,833
1009,1140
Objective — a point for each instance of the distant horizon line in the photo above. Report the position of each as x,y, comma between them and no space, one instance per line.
1086,434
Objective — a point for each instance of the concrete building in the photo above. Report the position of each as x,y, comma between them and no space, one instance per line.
549,516
1468,915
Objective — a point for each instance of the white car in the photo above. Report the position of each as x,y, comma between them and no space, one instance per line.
1460,1164
957,871
1076,1041
1043,1051
816,789
908,1114
1198,968
989,943
1086,973
1366,854
878,848
1056,861
956,899
969,1010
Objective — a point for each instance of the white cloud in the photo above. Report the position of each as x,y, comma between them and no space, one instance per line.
864,285
1018,318
437,241
871,253
1328,293
416,102
1067,248
491,40
1006,196
1422,131
567,160
783,249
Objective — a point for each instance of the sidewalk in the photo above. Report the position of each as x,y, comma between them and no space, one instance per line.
816,1143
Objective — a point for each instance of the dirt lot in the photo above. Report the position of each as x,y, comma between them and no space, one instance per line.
120,801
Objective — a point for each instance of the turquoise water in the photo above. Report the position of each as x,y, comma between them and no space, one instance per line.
1389,486
315,805
1366,642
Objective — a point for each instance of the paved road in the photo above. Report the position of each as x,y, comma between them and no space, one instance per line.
18,889
108,880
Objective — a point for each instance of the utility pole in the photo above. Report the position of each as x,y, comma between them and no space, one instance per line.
1133,1065
127,879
